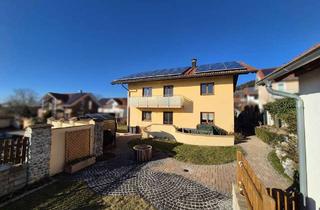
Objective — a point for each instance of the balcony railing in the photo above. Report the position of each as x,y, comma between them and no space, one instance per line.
157,102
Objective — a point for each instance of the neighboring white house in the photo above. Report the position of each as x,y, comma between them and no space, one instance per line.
289,84
307,68
116,106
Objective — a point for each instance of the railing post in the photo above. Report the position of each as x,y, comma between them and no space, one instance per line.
239,159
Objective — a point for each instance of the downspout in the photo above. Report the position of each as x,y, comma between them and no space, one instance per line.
301,137
128,107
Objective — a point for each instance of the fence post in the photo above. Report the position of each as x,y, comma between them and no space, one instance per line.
238,171
39,151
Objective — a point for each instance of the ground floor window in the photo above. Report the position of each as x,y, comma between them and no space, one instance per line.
206,117
146,115
167,118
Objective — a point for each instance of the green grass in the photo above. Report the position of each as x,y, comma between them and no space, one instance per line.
202,155
122,128
66,194
275,162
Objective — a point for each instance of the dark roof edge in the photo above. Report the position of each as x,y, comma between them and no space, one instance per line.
198,75
289,68
93,98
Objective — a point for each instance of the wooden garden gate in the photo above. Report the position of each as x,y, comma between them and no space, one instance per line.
257,195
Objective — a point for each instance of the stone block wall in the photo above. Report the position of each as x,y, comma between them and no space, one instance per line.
12,178
98,138
39,151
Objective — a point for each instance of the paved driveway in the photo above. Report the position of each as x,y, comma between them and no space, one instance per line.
123,176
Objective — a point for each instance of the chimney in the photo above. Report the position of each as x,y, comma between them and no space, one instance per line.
194,63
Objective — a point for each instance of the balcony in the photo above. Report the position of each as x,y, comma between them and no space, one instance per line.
157,102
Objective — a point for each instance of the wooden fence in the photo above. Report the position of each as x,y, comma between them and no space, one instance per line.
284,200
257,195
77,144
14,150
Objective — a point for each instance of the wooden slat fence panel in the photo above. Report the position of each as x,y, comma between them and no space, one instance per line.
14,150
284,200
250,185
258,196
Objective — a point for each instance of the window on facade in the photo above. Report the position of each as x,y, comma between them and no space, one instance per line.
281,86
146,116
167,118
90,105
207,88
147,92
168,90
207,117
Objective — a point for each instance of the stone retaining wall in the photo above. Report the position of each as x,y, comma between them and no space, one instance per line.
12,178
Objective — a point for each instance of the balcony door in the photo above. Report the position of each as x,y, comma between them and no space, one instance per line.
168,118
168,90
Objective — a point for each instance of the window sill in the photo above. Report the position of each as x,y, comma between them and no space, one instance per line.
206,94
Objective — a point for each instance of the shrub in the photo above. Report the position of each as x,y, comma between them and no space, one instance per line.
213,129
239,137
284,109
268,136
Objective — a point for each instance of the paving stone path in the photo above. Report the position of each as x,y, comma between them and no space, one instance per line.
123,176
162,190
257,155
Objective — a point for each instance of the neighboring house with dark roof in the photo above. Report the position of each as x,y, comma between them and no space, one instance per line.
245,94
66,105
289,84
116,106
184,97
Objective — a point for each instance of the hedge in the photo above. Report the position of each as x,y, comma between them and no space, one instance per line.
204,130
268,136
284,109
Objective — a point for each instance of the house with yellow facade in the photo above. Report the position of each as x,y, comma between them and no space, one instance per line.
168,102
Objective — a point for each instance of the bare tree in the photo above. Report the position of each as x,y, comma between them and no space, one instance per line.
23,102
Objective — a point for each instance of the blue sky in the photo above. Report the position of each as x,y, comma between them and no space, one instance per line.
65,46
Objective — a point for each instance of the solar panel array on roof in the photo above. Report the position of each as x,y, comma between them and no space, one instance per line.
160,72
219,66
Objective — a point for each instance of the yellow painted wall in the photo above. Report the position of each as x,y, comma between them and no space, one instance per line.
57,155
221,102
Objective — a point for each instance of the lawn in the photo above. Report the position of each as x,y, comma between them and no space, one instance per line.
275,162
202,155
66,194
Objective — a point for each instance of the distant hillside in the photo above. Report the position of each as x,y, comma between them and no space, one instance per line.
247,84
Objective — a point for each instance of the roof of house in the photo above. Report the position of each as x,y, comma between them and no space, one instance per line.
262,73
120,101
68,99
222,68
300,64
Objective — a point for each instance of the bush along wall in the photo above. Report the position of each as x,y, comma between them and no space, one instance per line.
285,146
285,110
268,136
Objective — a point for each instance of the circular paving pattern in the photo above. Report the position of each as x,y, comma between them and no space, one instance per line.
162,190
